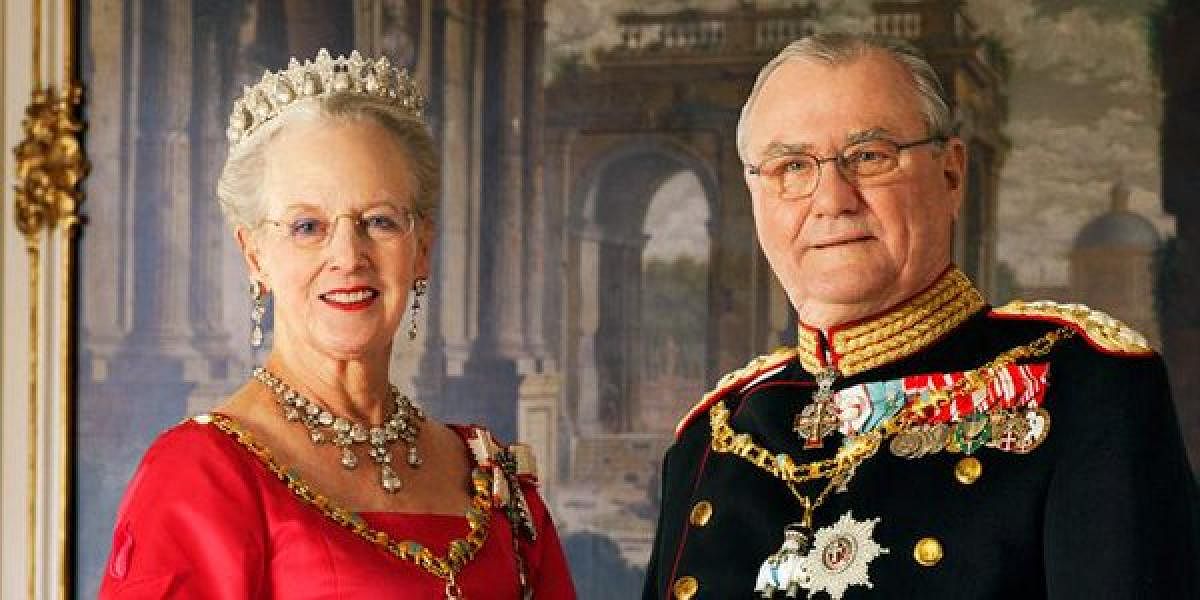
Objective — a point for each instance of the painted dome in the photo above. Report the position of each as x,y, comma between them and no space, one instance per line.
1118,227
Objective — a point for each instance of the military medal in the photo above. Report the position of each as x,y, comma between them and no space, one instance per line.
920,440
815,421
837,557
971,433
840,556
1020,432
784,571
997,405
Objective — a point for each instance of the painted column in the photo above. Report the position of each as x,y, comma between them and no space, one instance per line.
160,189
533,300
221,331
507,278
454,293
106,271
587,382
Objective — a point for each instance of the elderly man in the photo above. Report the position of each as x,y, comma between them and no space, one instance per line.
915,443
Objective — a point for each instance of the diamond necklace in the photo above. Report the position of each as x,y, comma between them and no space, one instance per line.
404,423
448,567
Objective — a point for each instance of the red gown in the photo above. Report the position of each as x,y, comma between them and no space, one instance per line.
205,518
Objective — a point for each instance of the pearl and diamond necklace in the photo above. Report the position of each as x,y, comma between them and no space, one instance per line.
404,423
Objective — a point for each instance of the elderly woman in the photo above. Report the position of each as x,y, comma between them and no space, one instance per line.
318,478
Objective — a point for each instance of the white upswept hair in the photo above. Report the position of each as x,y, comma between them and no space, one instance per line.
841,48
239,187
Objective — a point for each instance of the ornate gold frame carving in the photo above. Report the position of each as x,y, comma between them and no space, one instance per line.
50,165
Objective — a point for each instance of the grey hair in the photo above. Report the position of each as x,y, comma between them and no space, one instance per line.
841,48
239,187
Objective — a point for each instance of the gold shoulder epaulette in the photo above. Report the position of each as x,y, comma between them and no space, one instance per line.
733,379
1101,330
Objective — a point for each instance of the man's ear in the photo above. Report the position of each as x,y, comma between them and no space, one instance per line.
248,244
954,171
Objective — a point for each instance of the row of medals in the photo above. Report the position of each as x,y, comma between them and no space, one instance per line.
837,556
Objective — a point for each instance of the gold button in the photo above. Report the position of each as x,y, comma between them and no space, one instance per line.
927,552
701,513
685,587
968,470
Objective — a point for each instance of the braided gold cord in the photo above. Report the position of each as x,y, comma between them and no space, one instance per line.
807,351
902,332
902,339
950,291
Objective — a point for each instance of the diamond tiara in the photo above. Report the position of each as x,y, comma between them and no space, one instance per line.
324,76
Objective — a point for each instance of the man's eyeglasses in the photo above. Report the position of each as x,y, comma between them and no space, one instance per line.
314,229
795,175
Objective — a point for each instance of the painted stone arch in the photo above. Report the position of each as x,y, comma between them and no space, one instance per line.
606,334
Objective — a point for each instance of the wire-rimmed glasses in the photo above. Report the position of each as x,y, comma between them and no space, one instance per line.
795,175
311,228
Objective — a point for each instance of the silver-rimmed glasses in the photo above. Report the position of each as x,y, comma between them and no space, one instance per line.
311,228
795,175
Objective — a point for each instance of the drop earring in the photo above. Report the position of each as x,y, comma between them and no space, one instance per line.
420,286
258,293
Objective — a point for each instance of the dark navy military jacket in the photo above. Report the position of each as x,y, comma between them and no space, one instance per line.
1105,507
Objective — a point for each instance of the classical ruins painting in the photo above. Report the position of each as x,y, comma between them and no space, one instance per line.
596,268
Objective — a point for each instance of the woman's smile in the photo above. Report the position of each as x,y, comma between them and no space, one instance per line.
350,299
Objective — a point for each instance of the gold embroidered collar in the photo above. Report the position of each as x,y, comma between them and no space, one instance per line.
899,332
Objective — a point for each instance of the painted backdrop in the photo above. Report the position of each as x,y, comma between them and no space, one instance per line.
596,267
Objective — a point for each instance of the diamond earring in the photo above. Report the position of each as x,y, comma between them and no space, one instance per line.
420,286
258,293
